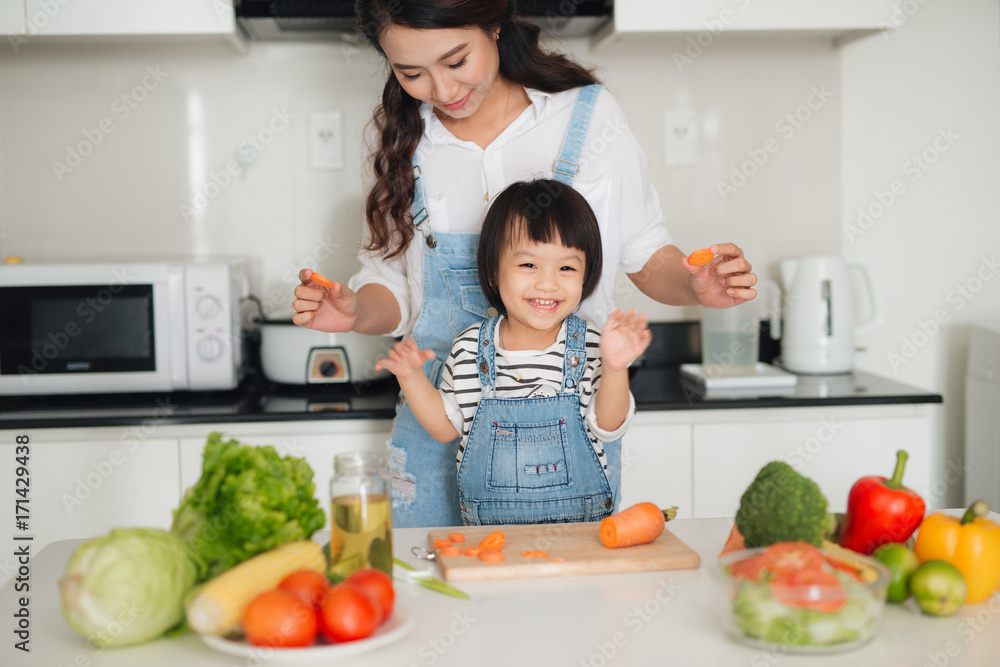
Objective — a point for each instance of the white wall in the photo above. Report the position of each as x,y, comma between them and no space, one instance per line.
931,86
125,196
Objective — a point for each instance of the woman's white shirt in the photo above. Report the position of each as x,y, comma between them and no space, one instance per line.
460,180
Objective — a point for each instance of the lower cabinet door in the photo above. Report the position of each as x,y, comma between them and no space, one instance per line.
656,465
834,452
82,489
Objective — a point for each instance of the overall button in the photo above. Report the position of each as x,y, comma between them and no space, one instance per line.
492,312
486,342
569,383
609,503
574,361
576,334
483,367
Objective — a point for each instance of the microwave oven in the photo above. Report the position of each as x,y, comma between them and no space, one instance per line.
114,327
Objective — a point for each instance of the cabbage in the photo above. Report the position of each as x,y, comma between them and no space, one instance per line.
127,587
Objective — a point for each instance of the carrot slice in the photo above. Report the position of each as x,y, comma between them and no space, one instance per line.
473,551
534,554
699,257
557,559
321,280
494,540
492,556
456,537
450,551
733,543
441,543
638,524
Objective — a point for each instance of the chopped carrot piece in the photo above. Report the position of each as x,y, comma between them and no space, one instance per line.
699,257
450,551
473,551
456,537
535,554
557,559
494,540
733,543
492,556
321,280
441,543
638,524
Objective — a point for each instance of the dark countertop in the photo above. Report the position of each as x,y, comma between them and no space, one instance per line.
654,388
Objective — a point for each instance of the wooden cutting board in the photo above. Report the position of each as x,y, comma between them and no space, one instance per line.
579,544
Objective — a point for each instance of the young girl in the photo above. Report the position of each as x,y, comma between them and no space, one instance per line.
535,394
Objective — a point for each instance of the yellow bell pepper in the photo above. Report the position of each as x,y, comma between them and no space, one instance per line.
972,544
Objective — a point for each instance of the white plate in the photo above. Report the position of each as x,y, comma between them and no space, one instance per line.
389,632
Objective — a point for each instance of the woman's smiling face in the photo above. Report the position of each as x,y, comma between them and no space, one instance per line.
453,69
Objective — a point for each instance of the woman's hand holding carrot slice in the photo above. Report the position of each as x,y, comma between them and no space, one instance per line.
720,276
335,308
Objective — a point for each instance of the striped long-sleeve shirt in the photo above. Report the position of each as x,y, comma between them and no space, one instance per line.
523,374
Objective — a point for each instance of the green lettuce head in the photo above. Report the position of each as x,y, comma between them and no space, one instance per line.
127,587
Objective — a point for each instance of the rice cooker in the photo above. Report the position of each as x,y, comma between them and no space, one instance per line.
290,354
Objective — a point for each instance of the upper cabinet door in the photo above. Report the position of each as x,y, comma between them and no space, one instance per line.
12,17
129,17
828,17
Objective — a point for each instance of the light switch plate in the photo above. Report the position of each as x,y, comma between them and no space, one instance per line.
326,140
681,138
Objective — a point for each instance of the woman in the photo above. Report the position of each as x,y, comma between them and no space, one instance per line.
472,104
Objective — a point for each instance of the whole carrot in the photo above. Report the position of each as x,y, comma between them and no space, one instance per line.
638,524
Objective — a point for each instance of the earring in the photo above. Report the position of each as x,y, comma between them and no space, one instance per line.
496,36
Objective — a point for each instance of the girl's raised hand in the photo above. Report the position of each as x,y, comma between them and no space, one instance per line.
726,280
405,358
329,309
623,339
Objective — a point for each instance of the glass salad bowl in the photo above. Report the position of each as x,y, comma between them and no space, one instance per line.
794,597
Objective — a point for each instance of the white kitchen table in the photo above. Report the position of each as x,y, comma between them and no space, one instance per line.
652,618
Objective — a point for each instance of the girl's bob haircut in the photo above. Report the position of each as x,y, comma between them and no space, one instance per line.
542,211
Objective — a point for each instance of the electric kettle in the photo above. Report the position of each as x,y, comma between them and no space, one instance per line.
818,329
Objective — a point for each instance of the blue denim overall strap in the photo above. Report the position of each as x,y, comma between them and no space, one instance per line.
567,165
530,460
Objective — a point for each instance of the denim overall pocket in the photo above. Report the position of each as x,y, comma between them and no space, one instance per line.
467,303
528,457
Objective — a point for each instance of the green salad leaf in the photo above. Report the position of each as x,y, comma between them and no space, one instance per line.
247,501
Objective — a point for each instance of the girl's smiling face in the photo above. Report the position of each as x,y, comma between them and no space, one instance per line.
540,285
453,69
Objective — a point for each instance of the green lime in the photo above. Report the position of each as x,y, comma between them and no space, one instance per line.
901,563
938,587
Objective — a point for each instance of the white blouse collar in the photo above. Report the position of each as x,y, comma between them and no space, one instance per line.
437,133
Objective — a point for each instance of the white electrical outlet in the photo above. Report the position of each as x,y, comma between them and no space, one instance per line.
681,138
326,140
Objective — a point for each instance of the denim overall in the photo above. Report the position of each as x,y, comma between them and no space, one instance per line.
529,460
423,471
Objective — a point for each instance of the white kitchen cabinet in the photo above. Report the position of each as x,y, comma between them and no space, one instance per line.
656,464
81,488
128,17
715,17
12,20
317,449
834,447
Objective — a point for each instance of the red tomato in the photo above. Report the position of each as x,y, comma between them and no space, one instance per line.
279,619
792,557
809,589
348,614
378,585
307,585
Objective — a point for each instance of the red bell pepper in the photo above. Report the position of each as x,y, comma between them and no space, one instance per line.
881,510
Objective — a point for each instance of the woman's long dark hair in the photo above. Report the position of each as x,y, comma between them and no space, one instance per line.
397,119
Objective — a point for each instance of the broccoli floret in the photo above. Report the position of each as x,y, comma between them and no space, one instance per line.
781,505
